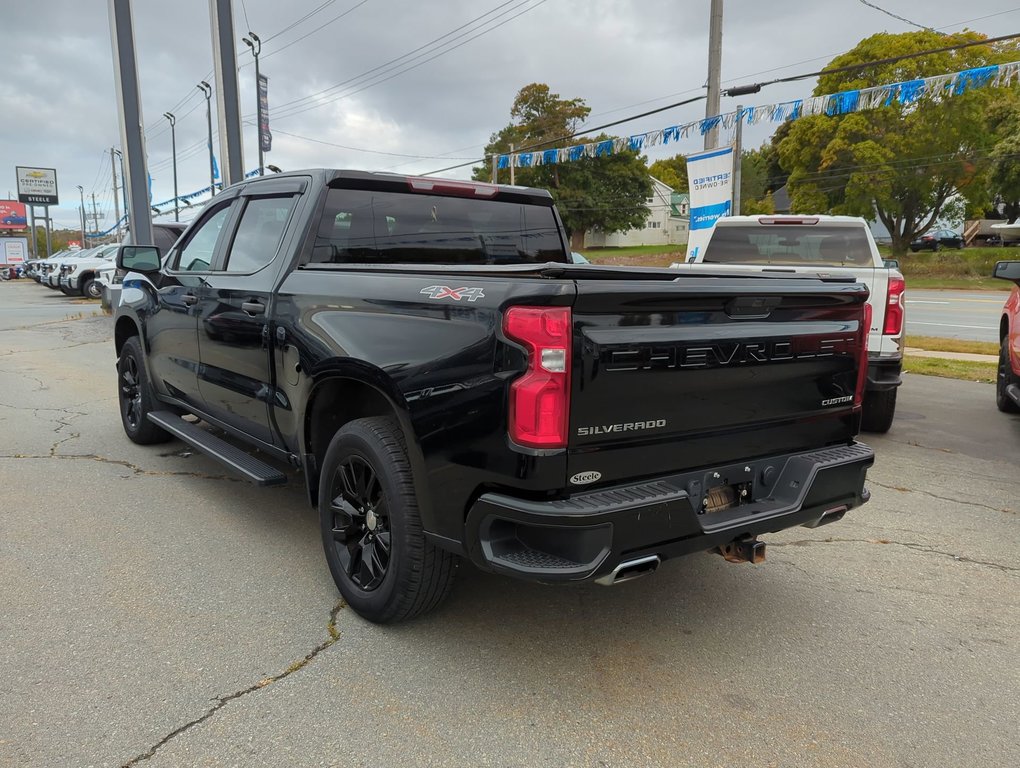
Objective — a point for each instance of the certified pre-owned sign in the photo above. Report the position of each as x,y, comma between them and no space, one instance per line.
37,186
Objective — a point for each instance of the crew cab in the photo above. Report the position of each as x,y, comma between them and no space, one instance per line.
451,385
1007,383
830,245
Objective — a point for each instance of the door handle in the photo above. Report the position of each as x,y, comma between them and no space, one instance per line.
253,307
189,299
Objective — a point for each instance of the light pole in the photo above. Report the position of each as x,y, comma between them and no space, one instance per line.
173,148
81,194
256,48
205,88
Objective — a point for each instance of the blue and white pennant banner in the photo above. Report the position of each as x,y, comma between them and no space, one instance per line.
910,92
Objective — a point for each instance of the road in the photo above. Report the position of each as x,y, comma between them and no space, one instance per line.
156,612
972,315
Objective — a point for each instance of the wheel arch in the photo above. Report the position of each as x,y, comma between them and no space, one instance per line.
1003,327
125,328
339,398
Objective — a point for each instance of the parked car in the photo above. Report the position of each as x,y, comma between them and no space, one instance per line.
78,277
1007,388
833,245
452,385
936,240
53,266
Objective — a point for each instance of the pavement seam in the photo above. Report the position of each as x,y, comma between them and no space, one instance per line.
222,701
914,546
126,464
903,489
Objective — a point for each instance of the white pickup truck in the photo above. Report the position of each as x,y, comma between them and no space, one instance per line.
831,245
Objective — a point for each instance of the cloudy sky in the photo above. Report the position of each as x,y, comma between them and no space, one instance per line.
402,85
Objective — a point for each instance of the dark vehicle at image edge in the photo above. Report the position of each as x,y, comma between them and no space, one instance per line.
451,385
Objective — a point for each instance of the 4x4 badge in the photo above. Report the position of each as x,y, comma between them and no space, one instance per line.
445,292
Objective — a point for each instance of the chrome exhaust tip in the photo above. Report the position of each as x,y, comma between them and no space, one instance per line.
630,570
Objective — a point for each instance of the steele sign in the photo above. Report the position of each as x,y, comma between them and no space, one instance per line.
37,186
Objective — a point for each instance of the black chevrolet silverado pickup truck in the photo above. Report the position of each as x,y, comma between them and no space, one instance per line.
452,386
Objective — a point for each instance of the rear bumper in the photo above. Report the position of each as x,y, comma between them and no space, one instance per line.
884,374
586,536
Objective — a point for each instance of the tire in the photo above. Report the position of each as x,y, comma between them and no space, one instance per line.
1004,378
134,395
92,289
937,247
879,409
372,533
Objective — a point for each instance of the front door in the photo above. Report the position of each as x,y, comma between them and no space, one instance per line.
235,378
172,329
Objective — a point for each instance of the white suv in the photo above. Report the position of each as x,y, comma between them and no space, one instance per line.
833,245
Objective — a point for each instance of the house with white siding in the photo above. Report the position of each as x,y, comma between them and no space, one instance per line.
668,222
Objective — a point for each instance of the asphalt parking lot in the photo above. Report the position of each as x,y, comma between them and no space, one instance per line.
157,612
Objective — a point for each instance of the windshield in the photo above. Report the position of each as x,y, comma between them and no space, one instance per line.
795,245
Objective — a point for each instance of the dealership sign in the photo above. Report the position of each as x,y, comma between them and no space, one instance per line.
37,186
13,250
711,183
12,215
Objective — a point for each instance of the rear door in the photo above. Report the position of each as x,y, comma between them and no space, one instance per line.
704,370
235,305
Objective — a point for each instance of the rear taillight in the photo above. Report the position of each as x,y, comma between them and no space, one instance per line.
862,363
894,306
540,399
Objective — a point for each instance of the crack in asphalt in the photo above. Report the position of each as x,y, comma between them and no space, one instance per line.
903,489
914,546
117,462
222,701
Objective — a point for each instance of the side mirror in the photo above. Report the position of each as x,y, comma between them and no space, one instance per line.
891,263
1007,270
138,258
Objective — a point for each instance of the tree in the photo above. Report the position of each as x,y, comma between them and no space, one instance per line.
671,171
903,163
606,193
1004,159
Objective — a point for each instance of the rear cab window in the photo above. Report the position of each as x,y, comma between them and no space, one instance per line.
791,245
387,227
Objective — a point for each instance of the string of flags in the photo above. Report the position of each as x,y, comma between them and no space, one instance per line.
183,198
908,92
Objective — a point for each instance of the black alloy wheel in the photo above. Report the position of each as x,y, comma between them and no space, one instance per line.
361,526
135,397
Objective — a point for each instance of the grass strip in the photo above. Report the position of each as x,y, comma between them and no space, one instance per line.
936,344
951,369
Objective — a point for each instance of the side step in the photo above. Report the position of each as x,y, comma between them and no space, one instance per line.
243,463
1013,393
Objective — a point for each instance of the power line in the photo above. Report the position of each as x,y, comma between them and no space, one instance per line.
397,64
309,34
895,16
361,149
303,18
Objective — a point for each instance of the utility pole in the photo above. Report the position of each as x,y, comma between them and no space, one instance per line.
738,135
116,199
129,109
512,165
495,168
714,70
228,100
205,88
95,214
173,149
81,210
256,48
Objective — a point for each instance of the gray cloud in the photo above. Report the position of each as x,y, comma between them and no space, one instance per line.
58,106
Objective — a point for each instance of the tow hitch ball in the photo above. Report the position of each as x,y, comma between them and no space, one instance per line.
744,550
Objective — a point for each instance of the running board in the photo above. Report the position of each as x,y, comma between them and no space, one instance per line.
1013,393
233,457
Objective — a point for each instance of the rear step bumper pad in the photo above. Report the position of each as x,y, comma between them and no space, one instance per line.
231,456
584,537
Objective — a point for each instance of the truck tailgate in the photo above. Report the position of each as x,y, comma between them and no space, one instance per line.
701,370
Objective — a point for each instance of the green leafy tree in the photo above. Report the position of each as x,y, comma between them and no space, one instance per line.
907,164
605,193
671,171
1004,159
